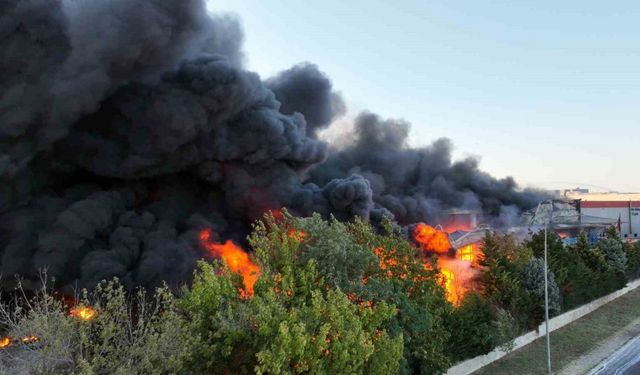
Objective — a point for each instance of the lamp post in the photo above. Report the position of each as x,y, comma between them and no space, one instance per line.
546,301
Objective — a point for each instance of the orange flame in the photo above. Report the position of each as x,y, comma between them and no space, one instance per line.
5,342
466,253
456,279
448,278
277,214
431,239
85,313
236,259
297,235
29,339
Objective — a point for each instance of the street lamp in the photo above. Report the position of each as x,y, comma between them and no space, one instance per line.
547,221
546,300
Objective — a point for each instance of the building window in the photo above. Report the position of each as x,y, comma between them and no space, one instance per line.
635,234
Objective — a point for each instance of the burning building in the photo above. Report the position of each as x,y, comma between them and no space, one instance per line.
461,220
458,256
129,127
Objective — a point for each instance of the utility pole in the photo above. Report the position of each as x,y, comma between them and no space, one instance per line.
546,301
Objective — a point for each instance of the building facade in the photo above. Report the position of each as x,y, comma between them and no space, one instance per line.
624,208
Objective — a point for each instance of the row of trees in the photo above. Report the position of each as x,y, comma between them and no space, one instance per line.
332,297
512,283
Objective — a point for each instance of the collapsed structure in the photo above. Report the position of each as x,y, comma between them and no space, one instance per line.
566,219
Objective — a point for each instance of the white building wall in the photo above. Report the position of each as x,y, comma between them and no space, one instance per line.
627,231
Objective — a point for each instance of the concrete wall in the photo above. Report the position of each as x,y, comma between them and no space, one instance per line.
474,364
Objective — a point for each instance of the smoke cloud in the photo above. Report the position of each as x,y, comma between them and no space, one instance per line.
416,184
130,125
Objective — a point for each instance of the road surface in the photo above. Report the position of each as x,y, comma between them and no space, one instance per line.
626,361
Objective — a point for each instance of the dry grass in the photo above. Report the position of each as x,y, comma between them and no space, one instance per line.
572,341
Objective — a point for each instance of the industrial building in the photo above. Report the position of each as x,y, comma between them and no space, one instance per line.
623,208
566,218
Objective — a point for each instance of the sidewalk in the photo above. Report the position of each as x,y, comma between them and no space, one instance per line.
579,346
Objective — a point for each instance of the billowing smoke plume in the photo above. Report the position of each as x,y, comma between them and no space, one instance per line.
304,89
129,125
415,184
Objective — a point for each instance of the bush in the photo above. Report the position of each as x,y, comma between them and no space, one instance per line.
146,336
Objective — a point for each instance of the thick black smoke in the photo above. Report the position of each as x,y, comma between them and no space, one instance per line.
416,184
304,89
127,126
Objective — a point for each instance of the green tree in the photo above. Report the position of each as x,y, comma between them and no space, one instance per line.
472,327
614,254
592,256
298,320
532,278
502,264
569,265
632,251
371,268
612,233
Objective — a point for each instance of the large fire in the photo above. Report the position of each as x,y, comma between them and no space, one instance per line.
431,239
470,253
457,272
236,259
457,276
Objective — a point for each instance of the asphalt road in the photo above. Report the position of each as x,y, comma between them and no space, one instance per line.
626,361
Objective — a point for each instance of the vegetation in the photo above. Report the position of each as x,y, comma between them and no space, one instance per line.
330,297
141,334
582,272
632,252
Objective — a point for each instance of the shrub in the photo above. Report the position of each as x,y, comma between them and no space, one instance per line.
146,336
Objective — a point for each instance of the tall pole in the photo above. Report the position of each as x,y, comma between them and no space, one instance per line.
546,302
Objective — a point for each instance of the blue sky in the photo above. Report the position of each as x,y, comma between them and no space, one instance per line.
545,91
